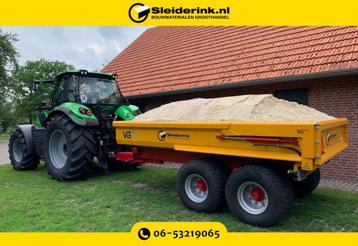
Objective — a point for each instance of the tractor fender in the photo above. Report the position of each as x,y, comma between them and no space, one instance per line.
71,111
27,131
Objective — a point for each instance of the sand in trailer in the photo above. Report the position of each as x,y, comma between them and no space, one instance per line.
262,108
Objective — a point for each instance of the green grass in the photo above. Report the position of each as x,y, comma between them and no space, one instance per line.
32,201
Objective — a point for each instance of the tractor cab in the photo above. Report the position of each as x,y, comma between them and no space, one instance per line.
86,88
99,92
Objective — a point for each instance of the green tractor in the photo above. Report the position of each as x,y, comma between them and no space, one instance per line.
74,132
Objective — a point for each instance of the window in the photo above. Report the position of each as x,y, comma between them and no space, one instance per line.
294,95
72,84
59,93
95,90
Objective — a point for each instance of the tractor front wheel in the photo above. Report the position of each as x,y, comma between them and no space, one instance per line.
69,149
20,156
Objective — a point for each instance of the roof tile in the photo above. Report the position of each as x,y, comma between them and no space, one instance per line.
172,58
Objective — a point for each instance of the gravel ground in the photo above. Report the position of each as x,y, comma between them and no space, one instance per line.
4,155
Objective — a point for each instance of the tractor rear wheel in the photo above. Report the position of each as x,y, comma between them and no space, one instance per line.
69,149
21,158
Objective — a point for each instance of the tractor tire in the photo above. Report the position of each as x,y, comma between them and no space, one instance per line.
259,195
20,157
304,188
69,149
201,184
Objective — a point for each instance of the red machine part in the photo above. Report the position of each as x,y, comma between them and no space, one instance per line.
140,155
257,194
268,140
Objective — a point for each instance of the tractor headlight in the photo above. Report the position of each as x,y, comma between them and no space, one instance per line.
137,112
85,111
83,72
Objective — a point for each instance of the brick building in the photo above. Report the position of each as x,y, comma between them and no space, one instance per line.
317,66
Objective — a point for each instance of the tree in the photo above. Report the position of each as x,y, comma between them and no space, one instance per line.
24,98
8,117
8,62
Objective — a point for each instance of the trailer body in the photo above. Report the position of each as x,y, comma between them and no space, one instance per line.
307,145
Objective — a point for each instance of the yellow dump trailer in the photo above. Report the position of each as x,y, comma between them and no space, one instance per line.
308,145
257,166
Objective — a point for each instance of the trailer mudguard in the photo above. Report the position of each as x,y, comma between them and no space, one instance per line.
72,110
27,131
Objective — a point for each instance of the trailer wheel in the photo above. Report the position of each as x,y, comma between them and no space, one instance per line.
259,195
201,185
21,158
69,149
305,187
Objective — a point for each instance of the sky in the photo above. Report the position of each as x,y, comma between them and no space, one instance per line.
84,47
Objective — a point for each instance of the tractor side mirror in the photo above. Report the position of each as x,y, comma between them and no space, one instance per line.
35,85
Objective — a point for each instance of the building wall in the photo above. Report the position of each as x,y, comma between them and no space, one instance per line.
340,98
337,97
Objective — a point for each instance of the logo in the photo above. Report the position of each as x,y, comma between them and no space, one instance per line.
144,233
83,98
138,12
161,135
128,134
302,131
330,137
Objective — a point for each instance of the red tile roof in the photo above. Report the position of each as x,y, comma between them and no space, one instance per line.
173,58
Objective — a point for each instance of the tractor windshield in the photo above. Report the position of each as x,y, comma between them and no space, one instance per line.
98,91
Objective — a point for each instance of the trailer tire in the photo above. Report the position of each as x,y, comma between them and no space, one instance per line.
78,146
20,156
304,188
201,185
259,195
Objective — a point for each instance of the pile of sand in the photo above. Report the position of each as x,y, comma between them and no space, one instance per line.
262,108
